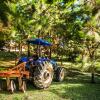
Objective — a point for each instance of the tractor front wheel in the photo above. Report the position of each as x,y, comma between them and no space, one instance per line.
59,75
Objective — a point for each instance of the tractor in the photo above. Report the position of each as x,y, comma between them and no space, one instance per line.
42,69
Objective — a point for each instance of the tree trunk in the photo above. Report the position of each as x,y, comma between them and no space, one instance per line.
9,47
92,78
92,71
20,48
28,50
15,57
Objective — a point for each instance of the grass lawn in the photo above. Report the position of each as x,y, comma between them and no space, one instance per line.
73,88
76,86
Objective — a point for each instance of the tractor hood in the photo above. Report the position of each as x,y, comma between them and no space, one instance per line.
39,41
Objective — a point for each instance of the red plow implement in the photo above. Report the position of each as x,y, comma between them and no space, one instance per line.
17,72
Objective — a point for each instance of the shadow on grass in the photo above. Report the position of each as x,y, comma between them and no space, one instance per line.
78,91
77,87
71,72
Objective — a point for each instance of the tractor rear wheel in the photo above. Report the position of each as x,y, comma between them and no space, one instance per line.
60,73
43,75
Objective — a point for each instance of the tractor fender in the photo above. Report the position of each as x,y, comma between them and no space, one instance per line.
23,59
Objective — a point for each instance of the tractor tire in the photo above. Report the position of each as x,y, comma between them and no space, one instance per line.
43,75
59,75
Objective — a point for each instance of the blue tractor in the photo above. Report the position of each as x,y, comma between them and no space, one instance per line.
42,69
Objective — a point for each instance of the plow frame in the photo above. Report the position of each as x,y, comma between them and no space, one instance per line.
19,72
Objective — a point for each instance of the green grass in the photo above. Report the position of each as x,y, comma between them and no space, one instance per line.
76,86
73,88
